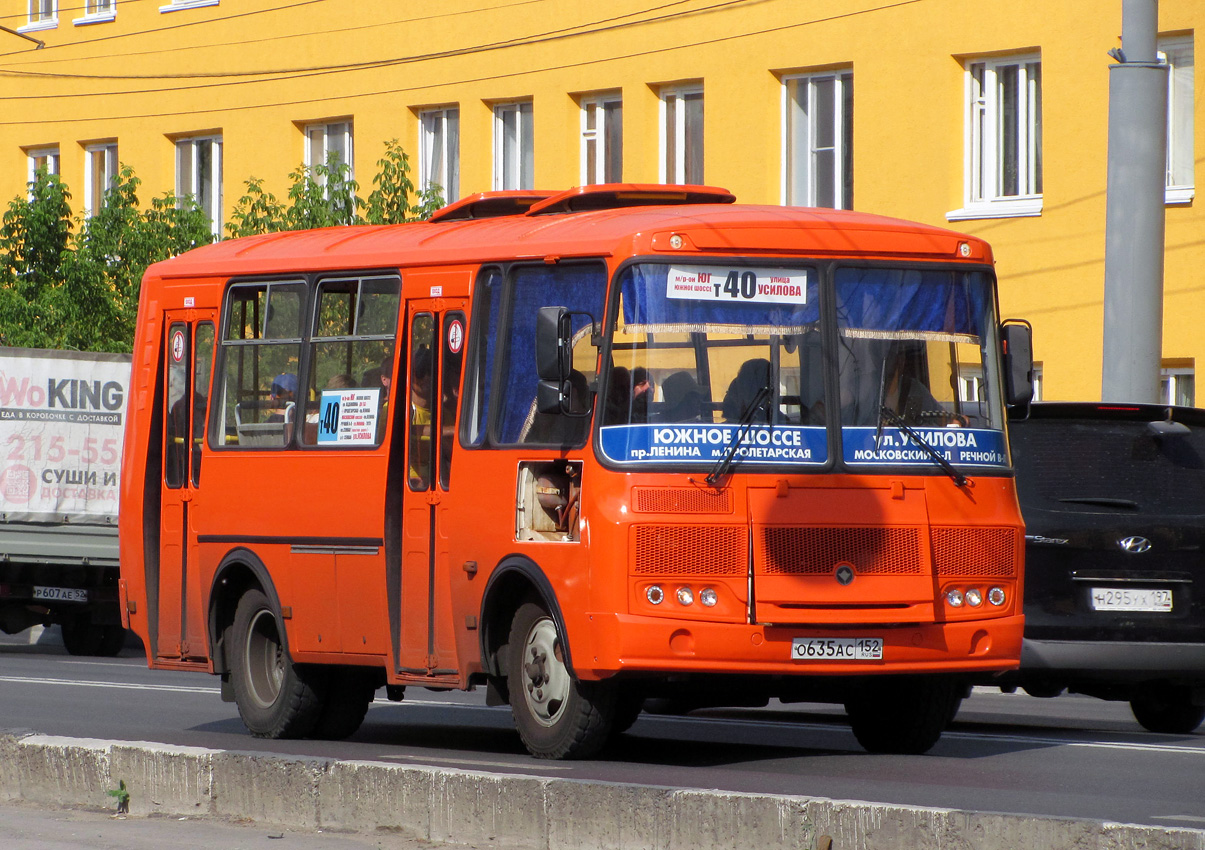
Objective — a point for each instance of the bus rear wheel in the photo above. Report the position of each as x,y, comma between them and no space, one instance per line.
901,715
557,716
276,698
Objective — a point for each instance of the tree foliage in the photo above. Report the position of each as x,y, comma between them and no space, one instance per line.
73,282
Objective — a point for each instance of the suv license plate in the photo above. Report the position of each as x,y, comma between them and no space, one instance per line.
1114,599
837,649
61,594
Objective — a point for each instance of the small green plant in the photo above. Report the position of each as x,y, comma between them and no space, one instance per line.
123,797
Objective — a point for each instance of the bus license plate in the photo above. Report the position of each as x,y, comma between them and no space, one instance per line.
1114,599
837,649
61,594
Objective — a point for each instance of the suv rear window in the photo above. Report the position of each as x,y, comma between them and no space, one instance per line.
1089,464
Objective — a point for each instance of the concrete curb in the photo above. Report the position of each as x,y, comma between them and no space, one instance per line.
459,807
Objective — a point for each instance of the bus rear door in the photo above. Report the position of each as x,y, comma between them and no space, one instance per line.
189,357
436,354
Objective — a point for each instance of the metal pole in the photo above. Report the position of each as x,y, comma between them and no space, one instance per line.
1133,300
40,44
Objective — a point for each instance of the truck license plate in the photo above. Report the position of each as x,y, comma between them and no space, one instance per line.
837,649
61,594
1129,599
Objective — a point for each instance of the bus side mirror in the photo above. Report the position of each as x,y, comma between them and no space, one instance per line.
554,359
1016,343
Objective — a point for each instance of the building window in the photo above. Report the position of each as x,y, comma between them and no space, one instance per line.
1178,54
439,152
602,139
43,15
199,176
1038,381
97,11
100,175
514,153
327,143
682,134
1177,384
818,123
1003,142
39,158
176,5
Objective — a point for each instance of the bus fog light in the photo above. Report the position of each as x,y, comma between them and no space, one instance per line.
996,596
954,598
974,597
654,594
685,596
708,597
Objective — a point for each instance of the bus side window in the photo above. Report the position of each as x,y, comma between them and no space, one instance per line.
203,354
422,407
453,359
175,468
487,313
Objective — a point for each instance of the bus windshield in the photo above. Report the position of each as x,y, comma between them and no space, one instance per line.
710,359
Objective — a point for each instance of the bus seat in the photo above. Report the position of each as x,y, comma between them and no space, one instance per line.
263,433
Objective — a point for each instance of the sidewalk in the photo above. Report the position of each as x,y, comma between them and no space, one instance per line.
28,827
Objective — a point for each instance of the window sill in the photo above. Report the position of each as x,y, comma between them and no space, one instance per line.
177,5
98,18
1010,208
37,26
1179,194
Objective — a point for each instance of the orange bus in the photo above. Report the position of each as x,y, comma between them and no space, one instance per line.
583,449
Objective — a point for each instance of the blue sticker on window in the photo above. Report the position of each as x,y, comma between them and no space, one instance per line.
891,446
705,443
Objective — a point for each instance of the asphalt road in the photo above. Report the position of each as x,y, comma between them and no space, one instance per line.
1070,757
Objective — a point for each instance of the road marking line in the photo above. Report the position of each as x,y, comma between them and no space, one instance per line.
184,689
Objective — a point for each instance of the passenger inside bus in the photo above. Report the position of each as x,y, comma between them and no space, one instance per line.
750,380
682,399
283,397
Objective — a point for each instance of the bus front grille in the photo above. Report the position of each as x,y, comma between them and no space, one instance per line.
681,500
974,552
794,550
690,550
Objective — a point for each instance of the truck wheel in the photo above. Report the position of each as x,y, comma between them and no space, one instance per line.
1168,710
348,693
276,698
556,716
903,716
83,637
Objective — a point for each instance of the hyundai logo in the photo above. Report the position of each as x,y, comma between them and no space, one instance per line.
845,574
1136,545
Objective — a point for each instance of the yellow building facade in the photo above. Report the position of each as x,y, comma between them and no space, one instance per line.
988,117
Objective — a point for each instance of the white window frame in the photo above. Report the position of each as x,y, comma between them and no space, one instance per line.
1038,381
188,175
800,148
983,196
599,139
107,153
42,15
49,154
1175,380
439,151
97,12
177,5
319,137
672,97
514,162
1177,52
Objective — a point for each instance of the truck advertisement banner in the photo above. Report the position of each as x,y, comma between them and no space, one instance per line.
62,422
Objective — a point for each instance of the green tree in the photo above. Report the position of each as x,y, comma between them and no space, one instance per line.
389,202
33,237
257,211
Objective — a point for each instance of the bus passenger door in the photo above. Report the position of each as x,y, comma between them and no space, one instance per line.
435,356
187,370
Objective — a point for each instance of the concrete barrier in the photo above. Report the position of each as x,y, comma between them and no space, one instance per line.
459,807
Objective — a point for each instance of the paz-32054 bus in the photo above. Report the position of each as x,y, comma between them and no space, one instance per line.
582,449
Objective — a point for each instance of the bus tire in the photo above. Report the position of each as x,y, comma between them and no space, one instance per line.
557,717
901,715
1168,710
348,694
83,637
276,698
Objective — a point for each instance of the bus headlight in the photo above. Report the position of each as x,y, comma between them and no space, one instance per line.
686,596
708,597
974,597
996,596
654,594
954,598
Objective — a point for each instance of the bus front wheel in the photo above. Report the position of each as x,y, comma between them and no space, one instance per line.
903,715
557,716
276,698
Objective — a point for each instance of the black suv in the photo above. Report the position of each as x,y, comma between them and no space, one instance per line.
1113,497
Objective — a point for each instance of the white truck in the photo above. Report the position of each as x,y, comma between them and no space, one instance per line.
62,424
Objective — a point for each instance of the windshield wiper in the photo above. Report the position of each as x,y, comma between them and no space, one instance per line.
723,465
886,413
